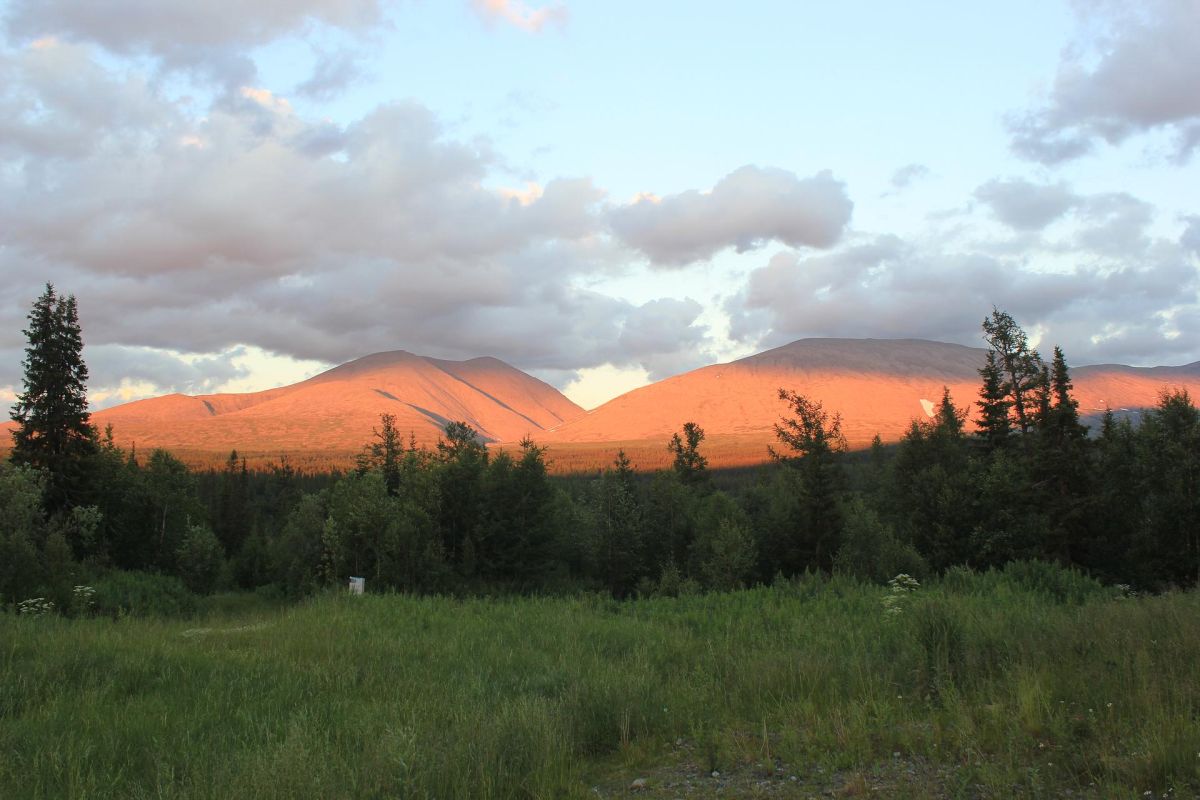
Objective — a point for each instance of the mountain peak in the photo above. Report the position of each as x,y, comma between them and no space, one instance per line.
335,412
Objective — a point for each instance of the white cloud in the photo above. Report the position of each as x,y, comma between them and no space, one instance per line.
746,209
188,231
207,37
1135,69
519,15
1026,206
1107,271
908,175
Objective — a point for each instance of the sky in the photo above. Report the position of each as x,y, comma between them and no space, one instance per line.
603,194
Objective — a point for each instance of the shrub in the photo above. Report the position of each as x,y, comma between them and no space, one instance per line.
200,558
870,549
726,555
142,594
1050,580
960,578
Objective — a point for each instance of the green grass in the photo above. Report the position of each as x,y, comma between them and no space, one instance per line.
977,689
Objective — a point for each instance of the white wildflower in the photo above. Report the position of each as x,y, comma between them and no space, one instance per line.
35,607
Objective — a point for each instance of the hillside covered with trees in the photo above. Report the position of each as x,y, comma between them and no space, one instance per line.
1009,475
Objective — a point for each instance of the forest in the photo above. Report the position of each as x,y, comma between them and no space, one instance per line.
1011,475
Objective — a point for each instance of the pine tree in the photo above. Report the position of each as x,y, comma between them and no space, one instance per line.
993,423
1169,539
930,486
1043,399
689,465
53,429
386,453
620,528
1020,366
1065,415
816,440
947,419
463,461
1060,462
232,517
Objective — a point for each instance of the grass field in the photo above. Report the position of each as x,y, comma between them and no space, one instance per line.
977,688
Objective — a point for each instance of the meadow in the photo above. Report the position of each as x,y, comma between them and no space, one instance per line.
1032,682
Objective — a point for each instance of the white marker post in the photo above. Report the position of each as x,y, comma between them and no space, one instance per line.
357,585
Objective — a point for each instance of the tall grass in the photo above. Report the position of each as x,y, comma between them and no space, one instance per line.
1008,689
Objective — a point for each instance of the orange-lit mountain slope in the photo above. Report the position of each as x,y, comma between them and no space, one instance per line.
335,412
878,386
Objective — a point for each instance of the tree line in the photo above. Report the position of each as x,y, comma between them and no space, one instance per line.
1010,475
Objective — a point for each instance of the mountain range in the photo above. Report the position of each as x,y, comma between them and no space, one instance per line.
877,385
329,417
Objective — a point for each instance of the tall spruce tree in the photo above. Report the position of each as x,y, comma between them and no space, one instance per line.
1064,415
930,491
1061,464
815,440
993,423
53,426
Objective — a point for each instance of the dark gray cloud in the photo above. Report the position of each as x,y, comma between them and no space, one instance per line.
746,209
1136,69
1026,206
209,38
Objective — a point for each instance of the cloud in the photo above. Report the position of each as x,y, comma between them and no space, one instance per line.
209,38
519,15
666,336
1115,224
1191,235
1026,206
332,73
1136,69
745,210
1133,300
908,175
191,232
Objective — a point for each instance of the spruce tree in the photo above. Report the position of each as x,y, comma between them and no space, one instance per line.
53,430
233,518
930,489
690,467
619,539
1065,416
816,441
1061,463
386,453
993,423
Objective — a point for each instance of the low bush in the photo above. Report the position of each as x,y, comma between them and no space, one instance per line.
143,594
1055,582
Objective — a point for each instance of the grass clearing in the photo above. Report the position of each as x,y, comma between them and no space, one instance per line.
978,688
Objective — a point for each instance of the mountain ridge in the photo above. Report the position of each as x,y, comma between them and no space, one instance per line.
336,411
878,386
